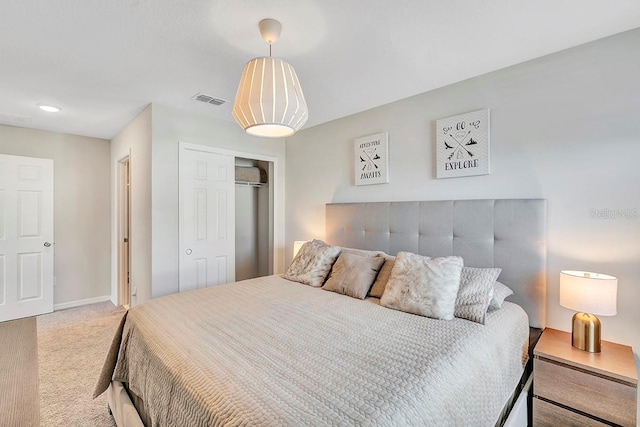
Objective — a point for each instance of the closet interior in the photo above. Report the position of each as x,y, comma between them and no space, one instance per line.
254,218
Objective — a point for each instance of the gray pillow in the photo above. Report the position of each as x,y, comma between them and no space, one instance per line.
362,252
500,292
383,276
423,285
312,263
354,251
475,293
353,274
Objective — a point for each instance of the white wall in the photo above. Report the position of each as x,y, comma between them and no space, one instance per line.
171,126
81,211
134,141
565,127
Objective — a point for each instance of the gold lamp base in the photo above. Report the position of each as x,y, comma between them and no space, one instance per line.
585,332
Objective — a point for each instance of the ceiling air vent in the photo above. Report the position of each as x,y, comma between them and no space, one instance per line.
203,97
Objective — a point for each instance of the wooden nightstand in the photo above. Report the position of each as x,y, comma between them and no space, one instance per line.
572,387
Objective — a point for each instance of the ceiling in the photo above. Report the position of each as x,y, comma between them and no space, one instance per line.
103,61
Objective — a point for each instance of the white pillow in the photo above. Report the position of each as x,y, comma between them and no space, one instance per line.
475,293
423,285
500,292
312,264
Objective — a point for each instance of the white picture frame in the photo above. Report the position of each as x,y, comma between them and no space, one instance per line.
371,159
462,145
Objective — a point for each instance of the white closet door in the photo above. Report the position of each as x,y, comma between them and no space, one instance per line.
26,237
207,221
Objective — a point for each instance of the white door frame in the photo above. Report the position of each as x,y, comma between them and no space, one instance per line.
276,193
117,208
123,217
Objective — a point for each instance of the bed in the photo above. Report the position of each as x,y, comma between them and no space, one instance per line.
270,351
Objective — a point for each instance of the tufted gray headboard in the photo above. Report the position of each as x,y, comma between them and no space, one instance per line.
506,233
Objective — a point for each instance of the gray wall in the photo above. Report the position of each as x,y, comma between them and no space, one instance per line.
246,227
134,141
81,211
246,232
565,127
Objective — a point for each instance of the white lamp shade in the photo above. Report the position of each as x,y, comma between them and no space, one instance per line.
591,293
269,101
297,244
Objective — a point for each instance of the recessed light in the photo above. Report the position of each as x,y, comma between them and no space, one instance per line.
49,108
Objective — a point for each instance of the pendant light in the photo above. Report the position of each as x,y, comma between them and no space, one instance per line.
269,101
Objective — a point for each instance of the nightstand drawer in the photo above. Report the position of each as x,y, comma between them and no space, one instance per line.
546,414
585,392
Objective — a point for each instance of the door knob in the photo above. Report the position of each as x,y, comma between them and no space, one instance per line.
47,244
188,251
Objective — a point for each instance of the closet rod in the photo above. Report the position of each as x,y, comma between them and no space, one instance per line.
251,184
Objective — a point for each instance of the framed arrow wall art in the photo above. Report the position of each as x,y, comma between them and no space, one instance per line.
462,145
371,155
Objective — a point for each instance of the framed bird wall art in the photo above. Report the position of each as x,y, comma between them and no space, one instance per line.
371,155
462,145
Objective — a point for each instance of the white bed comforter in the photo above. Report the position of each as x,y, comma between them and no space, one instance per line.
269,351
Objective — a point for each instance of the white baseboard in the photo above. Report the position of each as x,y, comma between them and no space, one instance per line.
81,302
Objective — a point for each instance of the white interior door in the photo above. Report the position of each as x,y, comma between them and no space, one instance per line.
26,236
207,220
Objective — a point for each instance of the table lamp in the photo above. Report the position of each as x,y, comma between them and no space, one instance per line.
589,294
297,244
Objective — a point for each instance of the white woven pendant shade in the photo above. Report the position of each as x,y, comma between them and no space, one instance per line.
269,101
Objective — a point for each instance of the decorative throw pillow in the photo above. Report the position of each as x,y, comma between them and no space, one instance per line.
475,293
423,285
353,274
362,252
500,292
312,264
354,251
383,276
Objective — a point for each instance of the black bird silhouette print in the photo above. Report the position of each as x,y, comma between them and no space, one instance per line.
462,145
371,157
459,145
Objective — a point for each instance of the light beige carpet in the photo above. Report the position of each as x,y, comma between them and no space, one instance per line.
19,373
72,345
